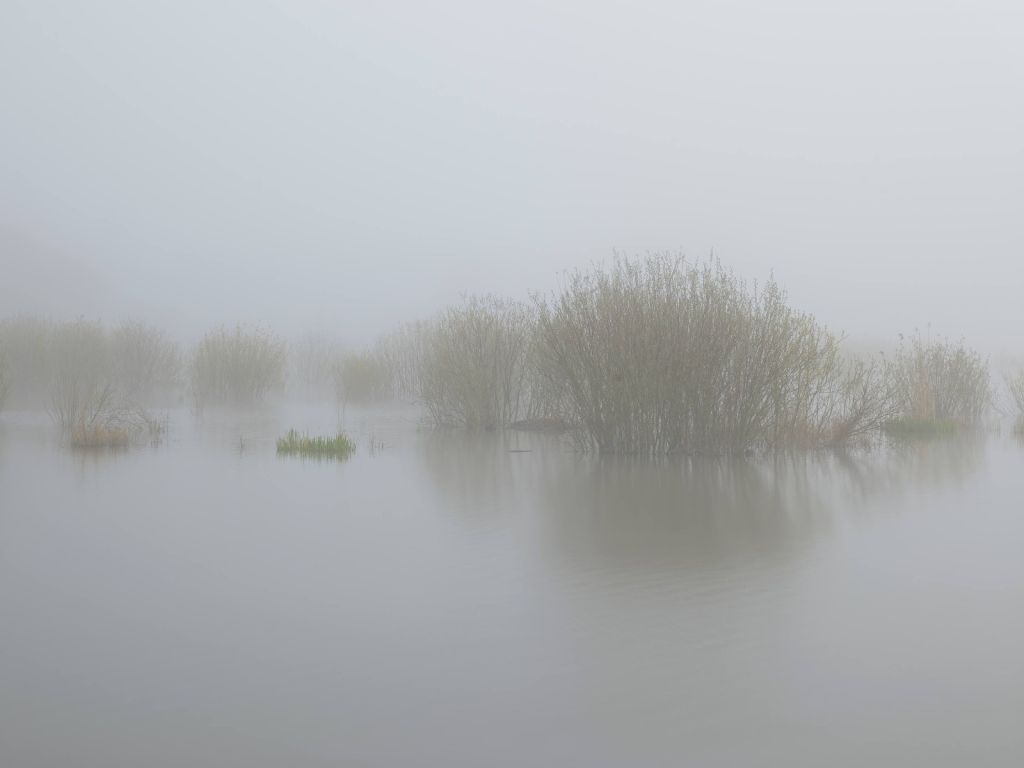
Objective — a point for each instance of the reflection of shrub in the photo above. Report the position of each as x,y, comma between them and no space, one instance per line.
240,366
362,378
294,443
939,382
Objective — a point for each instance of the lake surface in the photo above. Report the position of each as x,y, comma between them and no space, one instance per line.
449,599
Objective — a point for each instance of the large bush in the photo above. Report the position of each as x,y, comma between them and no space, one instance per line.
661,355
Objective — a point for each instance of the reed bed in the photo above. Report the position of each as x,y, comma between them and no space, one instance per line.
295,443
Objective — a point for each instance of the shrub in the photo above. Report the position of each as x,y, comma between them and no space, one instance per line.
474,366
237,367
82,388
938,381
660,355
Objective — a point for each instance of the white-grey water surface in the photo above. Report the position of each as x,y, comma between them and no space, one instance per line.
452,599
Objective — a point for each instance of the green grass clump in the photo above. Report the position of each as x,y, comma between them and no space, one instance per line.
295,444
920,428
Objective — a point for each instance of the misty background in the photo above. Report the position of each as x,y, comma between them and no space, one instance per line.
344,166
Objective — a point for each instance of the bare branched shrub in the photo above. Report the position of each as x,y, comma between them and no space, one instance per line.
146,363
82,388
401,353
941,382
474,367
361,378
237,367
659,355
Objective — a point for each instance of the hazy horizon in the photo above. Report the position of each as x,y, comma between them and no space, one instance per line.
346,167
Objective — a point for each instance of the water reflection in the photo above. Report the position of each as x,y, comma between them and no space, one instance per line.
620,512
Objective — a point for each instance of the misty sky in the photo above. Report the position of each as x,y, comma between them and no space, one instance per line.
347,165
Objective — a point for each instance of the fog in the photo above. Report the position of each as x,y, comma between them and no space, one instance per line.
347,166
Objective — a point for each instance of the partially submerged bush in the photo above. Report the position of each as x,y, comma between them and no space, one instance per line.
297,444
474,367
237,367
54,364
940,382
659,355
82,387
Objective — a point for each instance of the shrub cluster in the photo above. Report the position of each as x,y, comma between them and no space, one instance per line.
86,376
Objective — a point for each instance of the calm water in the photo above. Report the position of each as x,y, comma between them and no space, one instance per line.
459,600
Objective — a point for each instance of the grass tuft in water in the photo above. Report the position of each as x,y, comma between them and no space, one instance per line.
99,436
296,444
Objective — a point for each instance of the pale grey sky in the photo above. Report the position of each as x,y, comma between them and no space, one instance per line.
348,165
